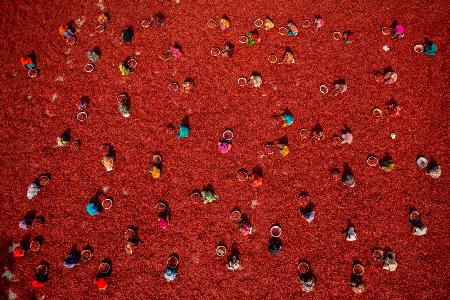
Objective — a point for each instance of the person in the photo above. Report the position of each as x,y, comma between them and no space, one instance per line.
158,20
40,277
127,35
351,234
245,227
208,196
125,69
430,49
27,62
399,31
101,283
224,24
253,38
419,229
318,22
317,134
340,88
387,164
268,24
183,131
287,119
108,158
103,18
93,56
35,187
72,259
227,51
346,137
275,245
309,215
288,58
390,77
155,169
33,190
434,170
170,272
223,146
283,149
104,271
348,180
256,80
26,223
176,52
233,261
357,284
389,262
66,31
292,29
163,219
131,240
63,140
256,179
124,106
187,86
17,250
348,37
93,207
308,282
394,109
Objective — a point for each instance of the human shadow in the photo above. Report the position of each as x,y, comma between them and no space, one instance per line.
185,121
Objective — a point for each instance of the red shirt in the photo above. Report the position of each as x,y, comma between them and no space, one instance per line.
101,283
37,284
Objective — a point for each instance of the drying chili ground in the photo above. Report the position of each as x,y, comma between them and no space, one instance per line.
37,110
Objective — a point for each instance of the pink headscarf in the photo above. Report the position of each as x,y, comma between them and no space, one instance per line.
223,147
400,29
319,23
175,51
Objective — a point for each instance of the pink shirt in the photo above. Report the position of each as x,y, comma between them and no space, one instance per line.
163,222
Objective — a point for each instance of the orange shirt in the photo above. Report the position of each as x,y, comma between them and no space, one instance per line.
25,61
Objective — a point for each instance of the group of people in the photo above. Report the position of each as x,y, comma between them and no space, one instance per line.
101,202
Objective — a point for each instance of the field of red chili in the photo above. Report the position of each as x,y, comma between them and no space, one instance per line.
35,111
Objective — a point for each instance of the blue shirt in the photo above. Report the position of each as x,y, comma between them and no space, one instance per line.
183,131
92,209
288,119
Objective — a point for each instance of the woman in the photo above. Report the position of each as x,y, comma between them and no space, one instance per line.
171,270
274,245
390,77
233,261
348,180
399,31
288,58
66,31
292,29
430,49
27,63
72,259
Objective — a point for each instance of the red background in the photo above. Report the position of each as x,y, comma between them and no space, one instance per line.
378,205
